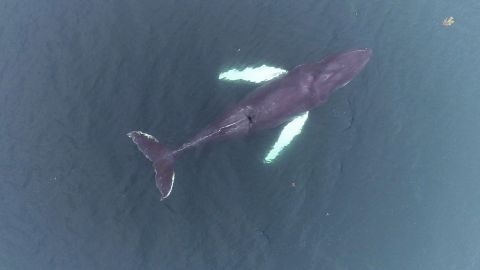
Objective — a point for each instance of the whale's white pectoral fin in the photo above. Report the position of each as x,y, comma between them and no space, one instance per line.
252,74
288,133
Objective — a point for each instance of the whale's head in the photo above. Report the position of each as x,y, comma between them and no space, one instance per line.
334,71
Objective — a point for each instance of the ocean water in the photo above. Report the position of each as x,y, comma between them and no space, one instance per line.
383,176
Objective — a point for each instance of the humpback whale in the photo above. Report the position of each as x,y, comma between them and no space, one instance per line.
272,104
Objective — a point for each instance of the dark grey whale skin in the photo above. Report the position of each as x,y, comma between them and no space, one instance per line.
301,89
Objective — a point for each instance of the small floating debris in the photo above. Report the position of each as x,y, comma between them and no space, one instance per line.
448,21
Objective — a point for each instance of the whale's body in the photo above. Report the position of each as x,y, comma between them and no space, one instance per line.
300,90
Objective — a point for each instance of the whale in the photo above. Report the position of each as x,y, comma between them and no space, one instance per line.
302,89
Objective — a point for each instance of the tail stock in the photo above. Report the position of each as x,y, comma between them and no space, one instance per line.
160,156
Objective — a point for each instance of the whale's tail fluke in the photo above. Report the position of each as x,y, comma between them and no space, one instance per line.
161,158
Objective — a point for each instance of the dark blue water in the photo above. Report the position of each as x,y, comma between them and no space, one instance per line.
386,173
